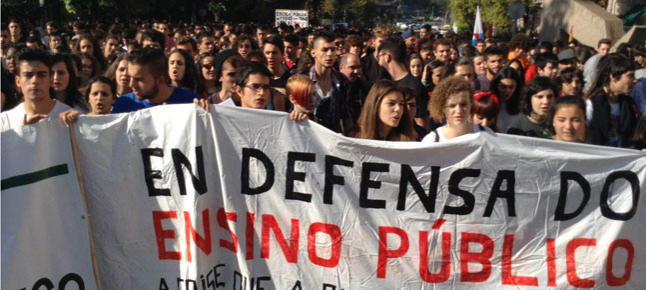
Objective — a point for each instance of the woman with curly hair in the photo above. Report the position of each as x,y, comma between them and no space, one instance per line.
244,45
451,103
86,44
182,71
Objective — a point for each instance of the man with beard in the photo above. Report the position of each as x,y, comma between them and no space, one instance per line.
410,40
350,67
371,68
147,68
495,59
392,57
332,108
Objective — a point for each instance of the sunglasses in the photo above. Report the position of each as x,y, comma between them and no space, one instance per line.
208,66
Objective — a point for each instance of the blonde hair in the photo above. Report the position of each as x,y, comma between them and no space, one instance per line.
382,31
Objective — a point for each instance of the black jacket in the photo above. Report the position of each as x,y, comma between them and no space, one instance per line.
600,125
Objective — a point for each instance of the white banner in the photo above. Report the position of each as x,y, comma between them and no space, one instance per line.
292,17
247,199
45,241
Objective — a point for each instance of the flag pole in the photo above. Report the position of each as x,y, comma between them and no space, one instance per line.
478,32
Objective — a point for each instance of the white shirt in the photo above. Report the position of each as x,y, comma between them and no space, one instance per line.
228,103
438,134
15,117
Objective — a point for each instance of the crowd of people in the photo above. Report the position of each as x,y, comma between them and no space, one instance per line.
364,83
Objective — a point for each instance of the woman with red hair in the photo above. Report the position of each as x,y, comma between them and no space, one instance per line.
484,110
301,92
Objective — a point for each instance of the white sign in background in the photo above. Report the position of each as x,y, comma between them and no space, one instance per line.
292,17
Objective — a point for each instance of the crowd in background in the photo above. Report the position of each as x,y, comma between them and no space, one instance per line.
372,83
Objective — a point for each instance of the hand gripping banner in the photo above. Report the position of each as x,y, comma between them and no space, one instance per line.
45,240
245,199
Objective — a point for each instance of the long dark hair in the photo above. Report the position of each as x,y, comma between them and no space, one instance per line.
96,67
201,78
111,71
96,51
9,89
612,64
191,78
73,97
513,102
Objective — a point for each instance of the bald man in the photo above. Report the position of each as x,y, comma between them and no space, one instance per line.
350,66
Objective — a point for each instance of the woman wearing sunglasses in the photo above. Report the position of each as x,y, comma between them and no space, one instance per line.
207,76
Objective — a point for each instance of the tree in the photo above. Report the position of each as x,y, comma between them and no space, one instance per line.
493,12
217,8
354,12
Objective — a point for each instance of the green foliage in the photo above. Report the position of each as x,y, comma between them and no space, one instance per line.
437,7
492,11
71,6
107,3
217,8
354,12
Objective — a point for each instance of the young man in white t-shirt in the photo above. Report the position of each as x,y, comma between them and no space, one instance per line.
33,67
